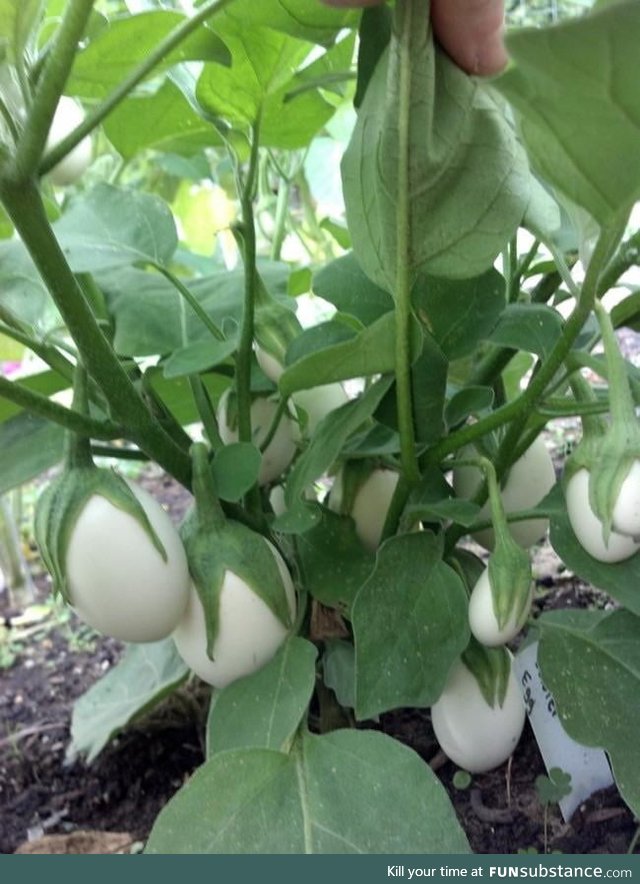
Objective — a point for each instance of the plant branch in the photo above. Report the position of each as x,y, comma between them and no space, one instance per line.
117,95
38,404
24,205
192,301
33,138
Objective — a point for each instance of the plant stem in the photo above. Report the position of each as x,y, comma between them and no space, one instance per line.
409,461
24,205
129,83
518,410
54,76
51,355
6,115
71,420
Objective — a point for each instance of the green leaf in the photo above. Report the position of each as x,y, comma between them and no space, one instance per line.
460,313
143,678
164,121
410,624
468,182
534,328
199,357
333,562
236,468
108,227
339,670
259,84
470,401
29,446
620,580
345,285
22,292
344,792
152,318
369,353
18,18
627,312
573,86
264,710
375,34
555,787
331,434
176,394
429,387
318,338
591,665
305,19
128,41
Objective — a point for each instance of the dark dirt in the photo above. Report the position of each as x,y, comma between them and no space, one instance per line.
41,794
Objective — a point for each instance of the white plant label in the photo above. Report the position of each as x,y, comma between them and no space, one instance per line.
588,767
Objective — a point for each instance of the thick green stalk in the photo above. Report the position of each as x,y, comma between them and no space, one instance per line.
24,205
50,86
406,21
129,83
14,392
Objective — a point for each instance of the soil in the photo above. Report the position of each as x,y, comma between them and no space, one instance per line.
50,804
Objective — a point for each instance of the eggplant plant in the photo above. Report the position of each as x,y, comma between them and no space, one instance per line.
329,283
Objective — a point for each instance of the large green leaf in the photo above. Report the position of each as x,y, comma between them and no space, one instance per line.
574,88
257,88
621,580
128,41
164,121
333,562
344,792
533,328
305,19
460,312
151,317
369,353
22,292
264,710
344,284
29,445
468,179
410,624
590,662
144,677
109,227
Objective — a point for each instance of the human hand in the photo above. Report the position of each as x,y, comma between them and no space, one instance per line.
470,31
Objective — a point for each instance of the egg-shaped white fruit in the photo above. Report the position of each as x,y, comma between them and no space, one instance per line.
117,579
68,116
588,528
482,619
279,452
271,366
530,479
626,512
249,633
370,505
318,402
475,736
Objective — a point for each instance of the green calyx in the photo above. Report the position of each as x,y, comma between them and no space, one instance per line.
60,506
619,446
510,574
491,668
607,450
274,326
216,545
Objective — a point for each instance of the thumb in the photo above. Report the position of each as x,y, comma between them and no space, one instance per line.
470,31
